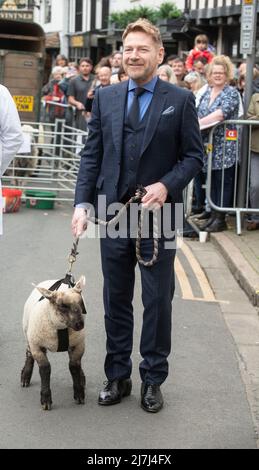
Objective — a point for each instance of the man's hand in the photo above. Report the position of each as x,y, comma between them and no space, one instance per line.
80,106
79,222
156,196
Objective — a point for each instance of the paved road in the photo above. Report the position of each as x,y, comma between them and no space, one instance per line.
205,399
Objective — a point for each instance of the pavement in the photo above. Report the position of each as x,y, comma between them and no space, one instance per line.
241,252
242,255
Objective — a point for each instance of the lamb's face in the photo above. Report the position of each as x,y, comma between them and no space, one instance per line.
69,308
68,305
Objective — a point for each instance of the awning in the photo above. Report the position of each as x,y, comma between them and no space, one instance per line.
52,41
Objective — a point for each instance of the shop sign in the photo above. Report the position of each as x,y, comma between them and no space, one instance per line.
24,104
16,15
77,41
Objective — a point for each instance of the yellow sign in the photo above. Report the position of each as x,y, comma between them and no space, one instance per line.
77,41
24,103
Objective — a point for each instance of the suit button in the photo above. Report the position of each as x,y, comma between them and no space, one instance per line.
131,159
116,186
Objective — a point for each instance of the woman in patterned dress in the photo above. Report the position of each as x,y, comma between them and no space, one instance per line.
220,102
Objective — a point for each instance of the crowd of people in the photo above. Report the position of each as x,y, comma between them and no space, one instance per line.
70,90
219,89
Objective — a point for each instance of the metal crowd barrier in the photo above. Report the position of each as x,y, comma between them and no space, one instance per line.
237,138
49,162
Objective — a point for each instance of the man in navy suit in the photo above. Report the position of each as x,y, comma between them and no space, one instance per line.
143,131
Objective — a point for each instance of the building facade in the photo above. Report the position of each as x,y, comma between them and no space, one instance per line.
75,28
220,20
79,28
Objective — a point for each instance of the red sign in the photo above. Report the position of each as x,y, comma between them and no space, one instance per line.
231,134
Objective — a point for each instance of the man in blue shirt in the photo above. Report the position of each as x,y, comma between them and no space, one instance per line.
143,131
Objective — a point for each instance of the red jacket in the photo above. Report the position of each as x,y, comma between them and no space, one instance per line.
195,54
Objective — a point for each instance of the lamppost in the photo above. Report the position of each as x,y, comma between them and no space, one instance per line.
248,47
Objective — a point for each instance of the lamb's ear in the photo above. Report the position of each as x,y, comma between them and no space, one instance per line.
48,294
80,284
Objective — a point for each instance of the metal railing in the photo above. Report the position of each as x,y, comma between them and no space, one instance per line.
235,208
49,163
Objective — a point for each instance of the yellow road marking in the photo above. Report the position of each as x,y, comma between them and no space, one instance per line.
187,293
186,289
202,279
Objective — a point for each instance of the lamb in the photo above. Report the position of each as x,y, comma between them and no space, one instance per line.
47,314
26,163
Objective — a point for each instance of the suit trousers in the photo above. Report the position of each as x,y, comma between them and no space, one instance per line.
118,264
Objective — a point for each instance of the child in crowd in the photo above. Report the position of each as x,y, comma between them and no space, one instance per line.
200,49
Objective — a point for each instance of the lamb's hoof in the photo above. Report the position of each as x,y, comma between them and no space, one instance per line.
80,401
25,384
25,379
46,400
80,398
46,406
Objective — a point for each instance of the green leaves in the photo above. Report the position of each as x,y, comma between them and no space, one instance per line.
167,10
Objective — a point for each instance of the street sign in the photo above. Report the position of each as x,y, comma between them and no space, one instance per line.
249,12
24,103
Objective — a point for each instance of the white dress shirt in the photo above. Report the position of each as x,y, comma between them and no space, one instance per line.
11,136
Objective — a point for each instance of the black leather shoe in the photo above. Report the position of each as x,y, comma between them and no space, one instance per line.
203,216
151,398
218,225
208,222
114,391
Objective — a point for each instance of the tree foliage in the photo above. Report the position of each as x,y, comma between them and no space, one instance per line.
167,10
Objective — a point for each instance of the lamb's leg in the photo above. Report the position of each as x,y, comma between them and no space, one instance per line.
40,355
75,355
28,369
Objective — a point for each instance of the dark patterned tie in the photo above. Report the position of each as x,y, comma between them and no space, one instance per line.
134,112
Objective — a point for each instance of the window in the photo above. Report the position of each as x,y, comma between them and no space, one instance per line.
48,8
93,14
79,16
105,13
